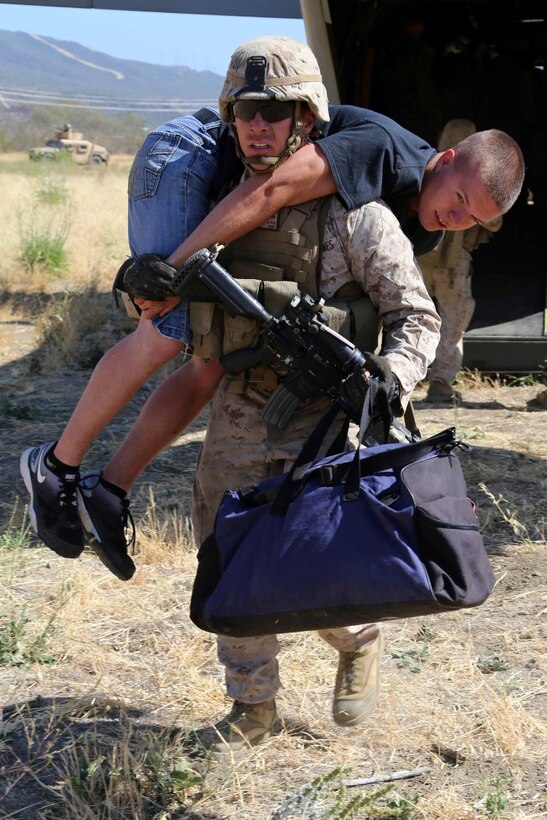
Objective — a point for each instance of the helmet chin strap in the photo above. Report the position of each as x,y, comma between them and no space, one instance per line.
297,138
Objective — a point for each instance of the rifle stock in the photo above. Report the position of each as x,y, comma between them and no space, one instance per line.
202,269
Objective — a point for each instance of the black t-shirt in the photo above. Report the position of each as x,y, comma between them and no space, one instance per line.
370,156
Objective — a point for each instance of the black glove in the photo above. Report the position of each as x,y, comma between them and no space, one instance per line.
151,277
354,388
379,368
147,276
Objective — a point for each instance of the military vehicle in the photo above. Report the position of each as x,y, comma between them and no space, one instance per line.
68,142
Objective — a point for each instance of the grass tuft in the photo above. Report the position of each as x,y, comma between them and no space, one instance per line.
42,242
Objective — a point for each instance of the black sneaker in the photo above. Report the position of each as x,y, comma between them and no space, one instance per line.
107,523
53,507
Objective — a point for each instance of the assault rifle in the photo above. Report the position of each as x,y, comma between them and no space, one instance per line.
299,346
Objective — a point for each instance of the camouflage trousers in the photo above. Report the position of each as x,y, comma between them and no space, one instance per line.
450,289
237,453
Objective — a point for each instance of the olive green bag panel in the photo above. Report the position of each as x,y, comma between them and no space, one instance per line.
367,327
355,319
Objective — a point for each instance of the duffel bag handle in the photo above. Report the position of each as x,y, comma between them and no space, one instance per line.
296,476
375,402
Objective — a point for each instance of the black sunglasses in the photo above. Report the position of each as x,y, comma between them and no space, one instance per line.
271,110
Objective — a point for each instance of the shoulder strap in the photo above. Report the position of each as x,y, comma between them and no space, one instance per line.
375,403
296,476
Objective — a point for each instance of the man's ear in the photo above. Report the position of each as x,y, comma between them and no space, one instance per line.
308,118
447,156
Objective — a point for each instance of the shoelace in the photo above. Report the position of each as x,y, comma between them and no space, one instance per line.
126,517
348,672
67,497
127,522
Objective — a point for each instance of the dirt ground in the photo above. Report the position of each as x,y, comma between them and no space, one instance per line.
467,729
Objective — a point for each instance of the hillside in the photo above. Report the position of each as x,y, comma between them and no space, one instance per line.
40,65
44,82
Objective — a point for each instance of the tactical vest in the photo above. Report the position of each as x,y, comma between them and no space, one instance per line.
276,260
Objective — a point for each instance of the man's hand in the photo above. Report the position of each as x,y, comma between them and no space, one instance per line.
147,276
379,368
150,309
354,388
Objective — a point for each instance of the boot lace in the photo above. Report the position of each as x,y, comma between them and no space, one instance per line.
350,673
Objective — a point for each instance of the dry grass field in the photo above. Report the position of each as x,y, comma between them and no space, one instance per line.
102,683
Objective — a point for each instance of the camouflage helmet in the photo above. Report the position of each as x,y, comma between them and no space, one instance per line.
274,68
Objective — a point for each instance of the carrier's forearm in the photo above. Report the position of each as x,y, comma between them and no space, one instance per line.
304,176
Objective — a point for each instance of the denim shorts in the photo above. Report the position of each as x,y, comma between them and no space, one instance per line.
168,192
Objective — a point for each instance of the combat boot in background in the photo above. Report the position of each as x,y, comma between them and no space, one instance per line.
442,393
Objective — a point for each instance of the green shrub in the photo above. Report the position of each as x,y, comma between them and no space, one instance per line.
42,241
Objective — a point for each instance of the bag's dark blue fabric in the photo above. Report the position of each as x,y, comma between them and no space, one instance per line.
387,532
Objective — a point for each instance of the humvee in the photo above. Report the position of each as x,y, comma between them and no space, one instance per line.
70,142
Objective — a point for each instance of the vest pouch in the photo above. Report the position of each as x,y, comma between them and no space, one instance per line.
239,332
338,318
246,269
207,325
277,295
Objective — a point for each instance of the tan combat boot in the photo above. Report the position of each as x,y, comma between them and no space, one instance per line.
357,684
442,393
247,725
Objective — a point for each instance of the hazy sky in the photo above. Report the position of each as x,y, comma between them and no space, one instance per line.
198,41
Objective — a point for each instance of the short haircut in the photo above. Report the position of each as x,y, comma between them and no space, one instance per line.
498,162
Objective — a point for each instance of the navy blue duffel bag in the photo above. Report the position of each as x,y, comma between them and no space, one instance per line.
383,532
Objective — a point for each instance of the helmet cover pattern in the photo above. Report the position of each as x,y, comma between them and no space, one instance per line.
274,68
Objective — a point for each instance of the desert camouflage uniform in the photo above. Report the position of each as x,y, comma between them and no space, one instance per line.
368,246
447,273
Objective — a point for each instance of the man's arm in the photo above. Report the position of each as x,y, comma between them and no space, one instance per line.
382,261
304,176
